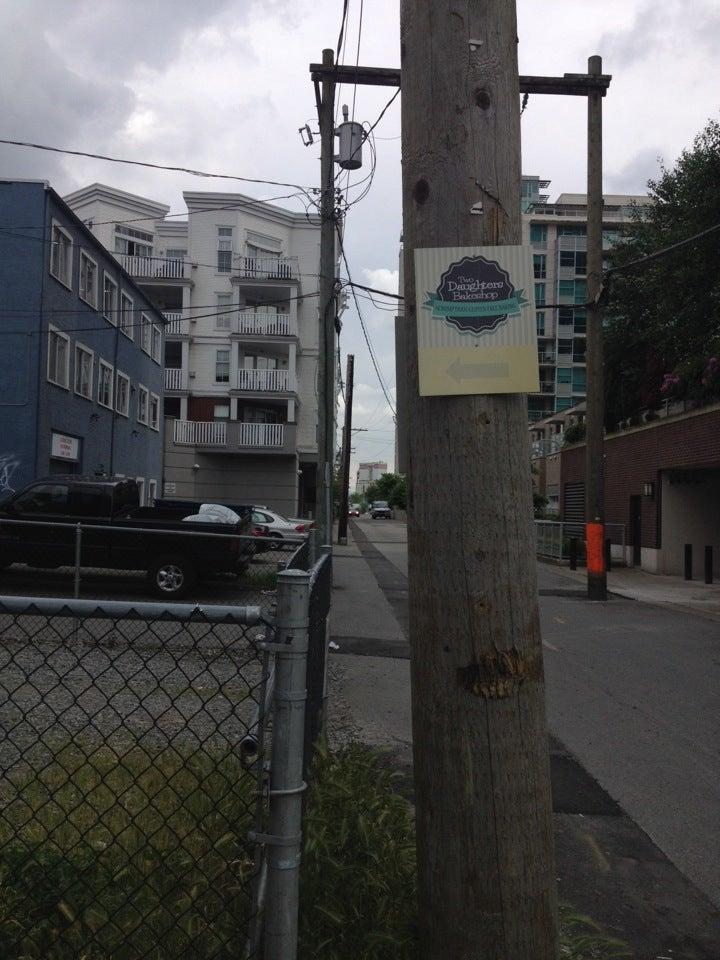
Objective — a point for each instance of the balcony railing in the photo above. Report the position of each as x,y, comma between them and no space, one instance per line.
271,380
252,323
207,433
155,268
176,325
546,358
267,268
174,379
232,434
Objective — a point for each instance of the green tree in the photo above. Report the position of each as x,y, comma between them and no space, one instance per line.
390,487
664,317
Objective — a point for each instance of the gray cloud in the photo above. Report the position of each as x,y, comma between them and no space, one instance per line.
632,177
675,27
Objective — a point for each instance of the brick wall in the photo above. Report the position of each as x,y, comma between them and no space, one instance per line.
638,456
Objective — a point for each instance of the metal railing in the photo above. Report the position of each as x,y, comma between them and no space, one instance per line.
233,433
267,268
554,536
271,380
155,267
252,322
211,433
175,378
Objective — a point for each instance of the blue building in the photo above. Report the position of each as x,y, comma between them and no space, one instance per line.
81,351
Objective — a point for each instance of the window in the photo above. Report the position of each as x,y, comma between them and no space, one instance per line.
134,243
539,266
61,255
575,259
89,502
565,346
88,279
578,380
105,384
224,301
580,324
156,343
83,371
141,490
225,244
564,374
221,411
222,366
538,233
565,316
581,291
46,498
143,403
152,492
175,254
154,411
110,296
122,394
539,294
126,315
145,335
58,367
540,322
562,403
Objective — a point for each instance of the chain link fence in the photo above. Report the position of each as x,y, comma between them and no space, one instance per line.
554,540
151,768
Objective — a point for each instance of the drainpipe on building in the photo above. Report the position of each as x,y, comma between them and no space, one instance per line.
111,468
44,267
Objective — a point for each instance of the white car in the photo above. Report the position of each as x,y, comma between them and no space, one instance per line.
280,527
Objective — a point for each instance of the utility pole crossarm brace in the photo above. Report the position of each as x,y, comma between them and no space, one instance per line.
570,84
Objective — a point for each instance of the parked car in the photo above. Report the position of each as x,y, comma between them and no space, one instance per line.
280,527
155,539
380,509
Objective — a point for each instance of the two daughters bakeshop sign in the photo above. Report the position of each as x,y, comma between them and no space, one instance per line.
476,320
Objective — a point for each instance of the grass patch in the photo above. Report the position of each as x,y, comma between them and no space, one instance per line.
261,578
130,855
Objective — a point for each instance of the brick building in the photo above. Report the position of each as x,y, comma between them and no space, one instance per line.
662,482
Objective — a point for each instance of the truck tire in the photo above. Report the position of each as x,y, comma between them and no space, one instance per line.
170,577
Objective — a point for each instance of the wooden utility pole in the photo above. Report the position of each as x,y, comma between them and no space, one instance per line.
347,445
326,310
595,401
484,830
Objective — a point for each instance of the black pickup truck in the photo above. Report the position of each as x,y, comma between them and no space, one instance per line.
118,534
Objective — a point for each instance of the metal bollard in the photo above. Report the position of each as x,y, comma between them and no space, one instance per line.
608,555
708,564
573,553
688,561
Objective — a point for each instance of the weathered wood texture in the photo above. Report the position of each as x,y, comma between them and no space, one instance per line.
487,882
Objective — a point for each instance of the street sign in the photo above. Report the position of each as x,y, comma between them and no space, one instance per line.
476,320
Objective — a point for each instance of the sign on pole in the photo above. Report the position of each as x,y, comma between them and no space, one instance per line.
476,320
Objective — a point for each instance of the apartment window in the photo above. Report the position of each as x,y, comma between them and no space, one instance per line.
539,266
143,404
122,394
539,294
565,346
110,299
88,279
221,411
575,259
83,371
562,403
224,301
154,411
175,253
580,321
126,315
156,343
579,383
565,316
581,291
58,367
222,366
540,322
564,375
145,334
61,255
105,384
133,243
224,249
538,233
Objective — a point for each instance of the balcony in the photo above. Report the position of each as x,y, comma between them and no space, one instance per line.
266,268
176,325
546,358
547,387
155,268
230,436
264,381
252,323
175,379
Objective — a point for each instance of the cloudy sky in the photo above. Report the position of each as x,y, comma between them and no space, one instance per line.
223,85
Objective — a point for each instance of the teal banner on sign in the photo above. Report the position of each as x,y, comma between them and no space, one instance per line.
474,308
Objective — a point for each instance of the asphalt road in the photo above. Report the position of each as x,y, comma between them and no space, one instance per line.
632,692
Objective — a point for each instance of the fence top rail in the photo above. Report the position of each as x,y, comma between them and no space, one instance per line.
131,610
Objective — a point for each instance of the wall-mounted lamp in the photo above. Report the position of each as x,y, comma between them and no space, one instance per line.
649,489
196,466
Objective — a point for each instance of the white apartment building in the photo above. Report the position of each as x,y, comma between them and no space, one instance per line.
368,473
241,339
557,233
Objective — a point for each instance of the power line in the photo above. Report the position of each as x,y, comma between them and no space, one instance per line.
657,254
154,166
362,325
343,21
383,293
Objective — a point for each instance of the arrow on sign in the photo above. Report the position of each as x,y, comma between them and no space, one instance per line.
472,371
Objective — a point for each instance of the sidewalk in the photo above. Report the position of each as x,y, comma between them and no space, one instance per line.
690,596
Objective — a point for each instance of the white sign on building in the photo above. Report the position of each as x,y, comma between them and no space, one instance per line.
64,448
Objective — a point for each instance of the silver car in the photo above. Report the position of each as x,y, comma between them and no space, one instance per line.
281,527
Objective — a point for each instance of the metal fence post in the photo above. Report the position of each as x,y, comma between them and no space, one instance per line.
78,551
286,768
688,561
708,564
